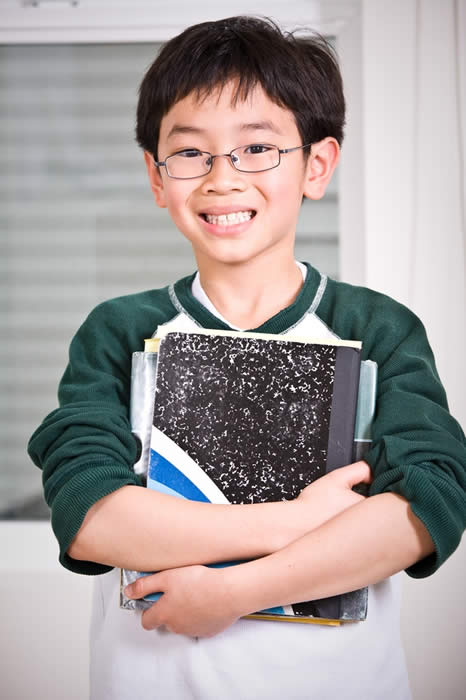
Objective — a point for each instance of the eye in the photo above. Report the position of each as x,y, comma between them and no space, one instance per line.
257,148
189,153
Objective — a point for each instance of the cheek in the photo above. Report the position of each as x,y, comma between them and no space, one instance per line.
282,185
177,201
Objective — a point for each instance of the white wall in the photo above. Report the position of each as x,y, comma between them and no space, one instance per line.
402,196
44,618
402,232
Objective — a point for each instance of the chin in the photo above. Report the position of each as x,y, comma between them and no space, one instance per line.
237,252
235,258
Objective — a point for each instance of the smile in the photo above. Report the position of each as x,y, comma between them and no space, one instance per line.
237,217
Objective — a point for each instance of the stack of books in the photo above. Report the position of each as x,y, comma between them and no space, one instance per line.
228,417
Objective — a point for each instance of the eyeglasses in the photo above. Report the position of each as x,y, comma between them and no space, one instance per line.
254,158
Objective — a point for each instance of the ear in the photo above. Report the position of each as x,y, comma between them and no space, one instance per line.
155,180
321,163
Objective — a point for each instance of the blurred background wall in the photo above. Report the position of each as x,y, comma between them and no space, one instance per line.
78,225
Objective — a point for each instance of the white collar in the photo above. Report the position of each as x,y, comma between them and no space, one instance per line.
199,294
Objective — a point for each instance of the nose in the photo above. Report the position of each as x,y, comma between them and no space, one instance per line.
223,176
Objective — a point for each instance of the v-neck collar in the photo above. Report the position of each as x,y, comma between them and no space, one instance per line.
183,299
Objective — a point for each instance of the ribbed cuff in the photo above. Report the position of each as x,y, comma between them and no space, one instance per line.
71,504
435,502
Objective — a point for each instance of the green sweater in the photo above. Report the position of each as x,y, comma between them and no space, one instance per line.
86,448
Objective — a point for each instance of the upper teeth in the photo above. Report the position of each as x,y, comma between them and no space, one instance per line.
236,217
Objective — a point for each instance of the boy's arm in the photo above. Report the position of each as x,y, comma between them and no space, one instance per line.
141,529
362,545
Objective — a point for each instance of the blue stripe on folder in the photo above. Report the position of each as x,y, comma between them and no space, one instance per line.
163,471
161,488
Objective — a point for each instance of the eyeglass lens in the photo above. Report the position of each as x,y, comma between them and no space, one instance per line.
249,159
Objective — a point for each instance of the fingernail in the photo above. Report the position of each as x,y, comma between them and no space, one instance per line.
129,591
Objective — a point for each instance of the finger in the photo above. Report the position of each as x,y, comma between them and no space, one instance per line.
145,585
356,473
150,619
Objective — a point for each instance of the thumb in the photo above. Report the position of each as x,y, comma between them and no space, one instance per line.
145,585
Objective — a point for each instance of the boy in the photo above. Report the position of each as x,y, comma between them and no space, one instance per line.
238,122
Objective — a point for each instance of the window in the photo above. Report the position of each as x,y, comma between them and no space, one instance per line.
79,225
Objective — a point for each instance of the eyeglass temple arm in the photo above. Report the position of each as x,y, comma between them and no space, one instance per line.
296,148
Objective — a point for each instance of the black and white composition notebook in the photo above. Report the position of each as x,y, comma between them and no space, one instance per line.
243,418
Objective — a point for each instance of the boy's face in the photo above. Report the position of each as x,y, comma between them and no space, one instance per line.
269,201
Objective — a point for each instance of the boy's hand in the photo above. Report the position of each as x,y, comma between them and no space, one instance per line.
332,493
195,601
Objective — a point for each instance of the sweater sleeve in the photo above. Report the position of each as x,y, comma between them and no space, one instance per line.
418,448
85,448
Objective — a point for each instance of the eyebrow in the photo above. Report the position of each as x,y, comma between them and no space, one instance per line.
264,125
184,129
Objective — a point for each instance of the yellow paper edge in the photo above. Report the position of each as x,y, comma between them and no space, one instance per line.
302,620
152,344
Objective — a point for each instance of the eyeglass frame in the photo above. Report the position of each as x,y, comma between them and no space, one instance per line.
281,151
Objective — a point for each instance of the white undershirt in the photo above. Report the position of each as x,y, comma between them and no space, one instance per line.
199,294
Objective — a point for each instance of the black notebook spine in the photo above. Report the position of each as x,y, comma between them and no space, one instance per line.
344,402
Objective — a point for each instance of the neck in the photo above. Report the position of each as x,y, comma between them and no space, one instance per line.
249,294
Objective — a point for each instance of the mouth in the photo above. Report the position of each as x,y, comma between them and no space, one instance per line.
231,219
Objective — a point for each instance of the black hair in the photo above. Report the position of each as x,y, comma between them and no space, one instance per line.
299,73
